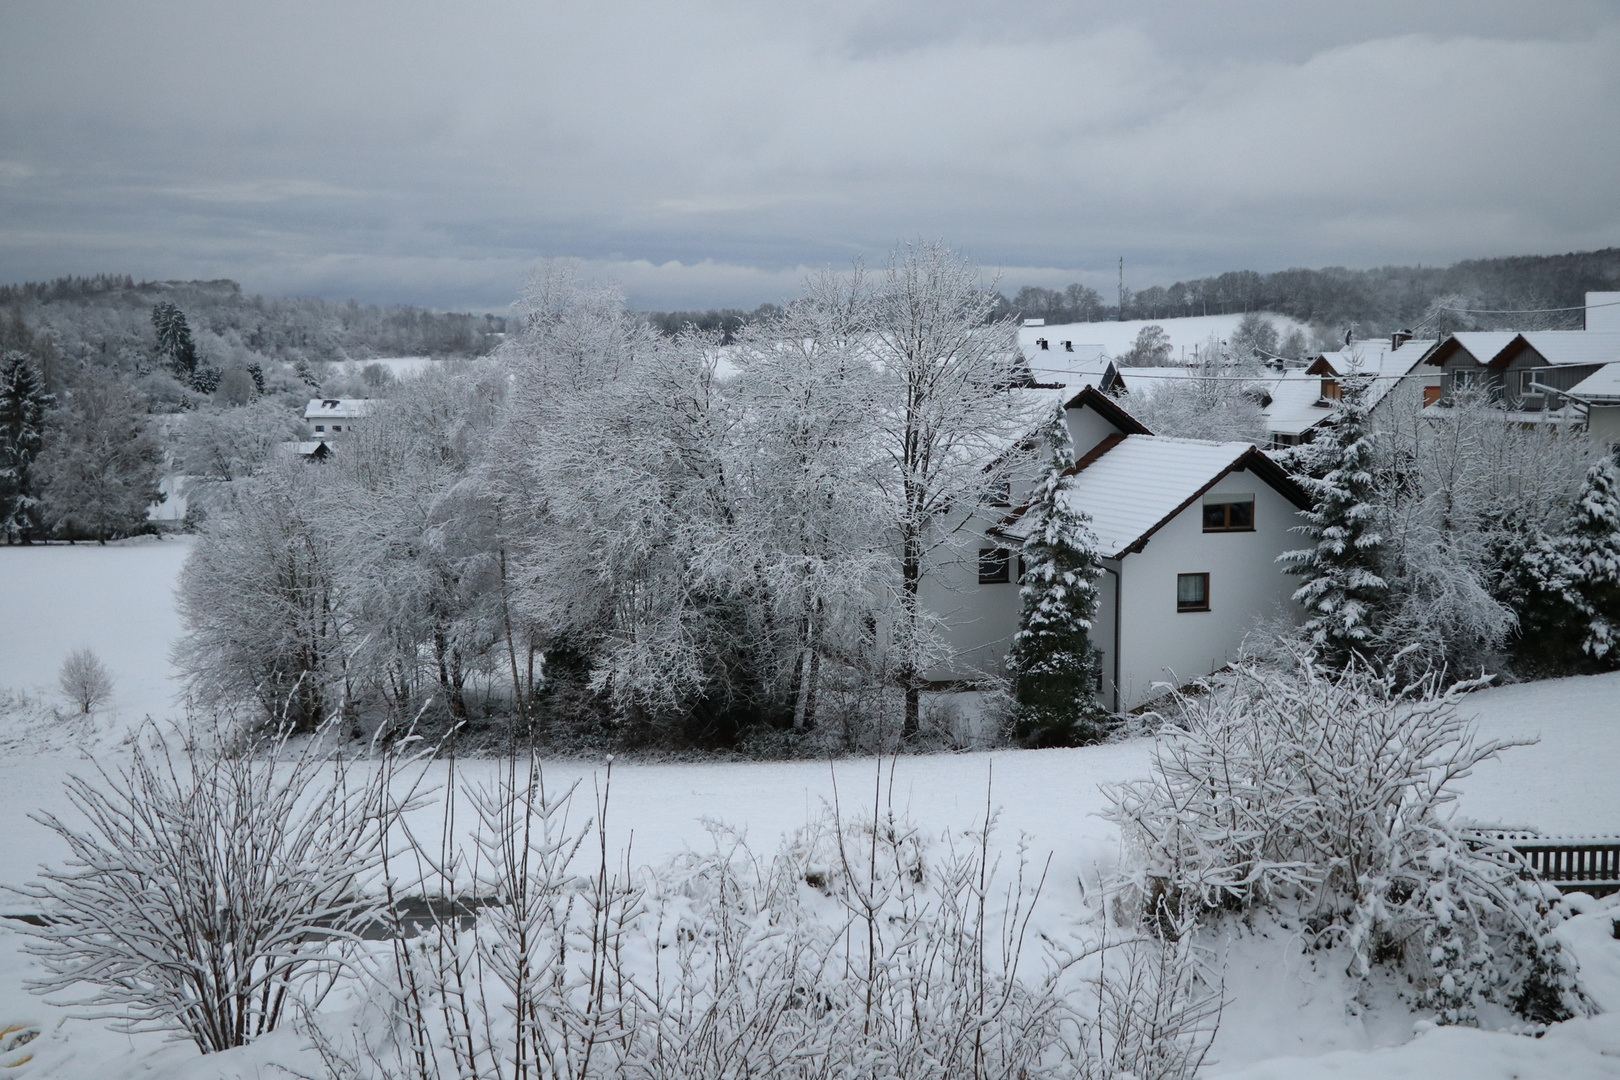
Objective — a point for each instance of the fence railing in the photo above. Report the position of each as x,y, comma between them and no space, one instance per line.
1588,864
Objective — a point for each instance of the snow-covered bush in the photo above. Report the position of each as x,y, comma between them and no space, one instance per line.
1326,795
85,680
208,895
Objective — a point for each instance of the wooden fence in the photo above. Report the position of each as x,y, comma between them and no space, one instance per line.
1588,864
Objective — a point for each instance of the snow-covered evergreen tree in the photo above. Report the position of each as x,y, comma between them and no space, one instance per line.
23,402
1594,550
1345,591
1054,665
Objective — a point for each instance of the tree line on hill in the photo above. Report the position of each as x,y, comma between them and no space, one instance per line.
1475,294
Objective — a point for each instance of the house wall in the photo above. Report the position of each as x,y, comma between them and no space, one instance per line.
1603,423
1462,362
1563,377
1158,644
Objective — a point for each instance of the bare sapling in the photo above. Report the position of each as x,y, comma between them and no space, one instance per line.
85,680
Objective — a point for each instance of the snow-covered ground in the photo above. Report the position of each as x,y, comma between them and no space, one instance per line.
1286,1017
1114,338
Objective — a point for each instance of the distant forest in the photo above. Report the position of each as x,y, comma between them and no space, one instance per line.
106,320
1477,294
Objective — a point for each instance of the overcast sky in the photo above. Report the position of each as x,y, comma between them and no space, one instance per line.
707,153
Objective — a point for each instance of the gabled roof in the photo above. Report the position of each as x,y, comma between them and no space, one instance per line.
1481,346
1603,385
1108,409
1133,485
1568,347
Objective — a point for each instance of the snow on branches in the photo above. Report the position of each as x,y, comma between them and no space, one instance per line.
1055,667
1326,795
1344,591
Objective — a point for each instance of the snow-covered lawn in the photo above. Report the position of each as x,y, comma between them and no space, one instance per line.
1285,1019
1115,338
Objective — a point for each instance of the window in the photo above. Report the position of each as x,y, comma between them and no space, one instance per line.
1331,390
1192,592
337,427
1001,492
320,427
1431,394
995,566
1231,513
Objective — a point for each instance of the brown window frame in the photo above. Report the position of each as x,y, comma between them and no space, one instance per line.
1227,525
998,560
1184,608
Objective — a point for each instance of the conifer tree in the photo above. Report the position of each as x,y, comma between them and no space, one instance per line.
23,403
1055,668
174,341
1593,550
101,469
1345,592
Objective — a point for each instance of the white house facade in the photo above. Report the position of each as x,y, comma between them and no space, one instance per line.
334,417
1190,532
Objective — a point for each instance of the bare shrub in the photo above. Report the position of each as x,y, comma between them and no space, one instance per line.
205,894
85,680
1327,795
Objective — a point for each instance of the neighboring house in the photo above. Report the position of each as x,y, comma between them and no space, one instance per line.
1599,392
1189,531
1300,400
1528,372
328,417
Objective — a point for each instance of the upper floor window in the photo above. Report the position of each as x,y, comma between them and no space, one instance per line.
320,427
1331,390
995,566
1229,513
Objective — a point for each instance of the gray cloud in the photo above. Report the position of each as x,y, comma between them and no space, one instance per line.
708,153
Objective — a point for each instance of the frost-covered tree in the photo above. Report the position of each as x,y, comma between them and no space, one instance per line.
263,619
1054,666
23,405
1345,593
215,447
1255,338
1567,587
101,463
85,680
946,411
1151,348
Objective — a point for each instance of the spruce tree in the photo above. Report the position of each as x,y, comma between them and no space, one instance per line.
1345,593
1055,669
23,403
1593,551
174,341
101,469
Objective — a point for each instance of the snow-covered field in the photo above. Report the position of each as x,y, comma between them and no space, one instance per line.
1114,338
1285,1018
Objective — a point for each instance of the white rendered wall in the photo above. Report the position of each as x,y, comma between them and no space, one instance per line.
1606,316
1603,423
1246,585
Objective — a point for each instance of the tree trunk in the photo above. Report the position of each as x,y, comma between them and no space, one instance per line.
911,570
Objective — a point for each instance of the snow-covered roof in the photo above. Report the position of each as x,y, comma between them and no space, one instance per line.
1602,385
1483,345
1140,481
337,408
1296,404
1575,347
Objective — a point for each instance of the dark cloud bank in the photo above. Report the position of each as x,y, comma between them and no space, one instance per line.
709,153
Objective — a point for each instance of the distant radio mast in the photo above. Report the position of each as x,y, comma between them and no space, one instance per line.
1122,288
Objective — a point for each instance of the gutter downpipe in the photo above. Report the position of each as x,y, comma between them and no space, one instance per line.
1119,587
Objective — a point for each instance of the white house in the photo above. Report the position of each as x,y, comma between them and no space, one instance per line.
1599,392
1299,401
1189,531
334,416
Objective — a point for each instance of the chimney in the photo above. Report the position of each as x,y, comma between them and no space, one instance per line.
1042,343
1399,338
1068,346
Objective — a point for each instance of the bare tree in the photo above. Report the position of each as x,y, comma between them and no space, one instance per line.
85,680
